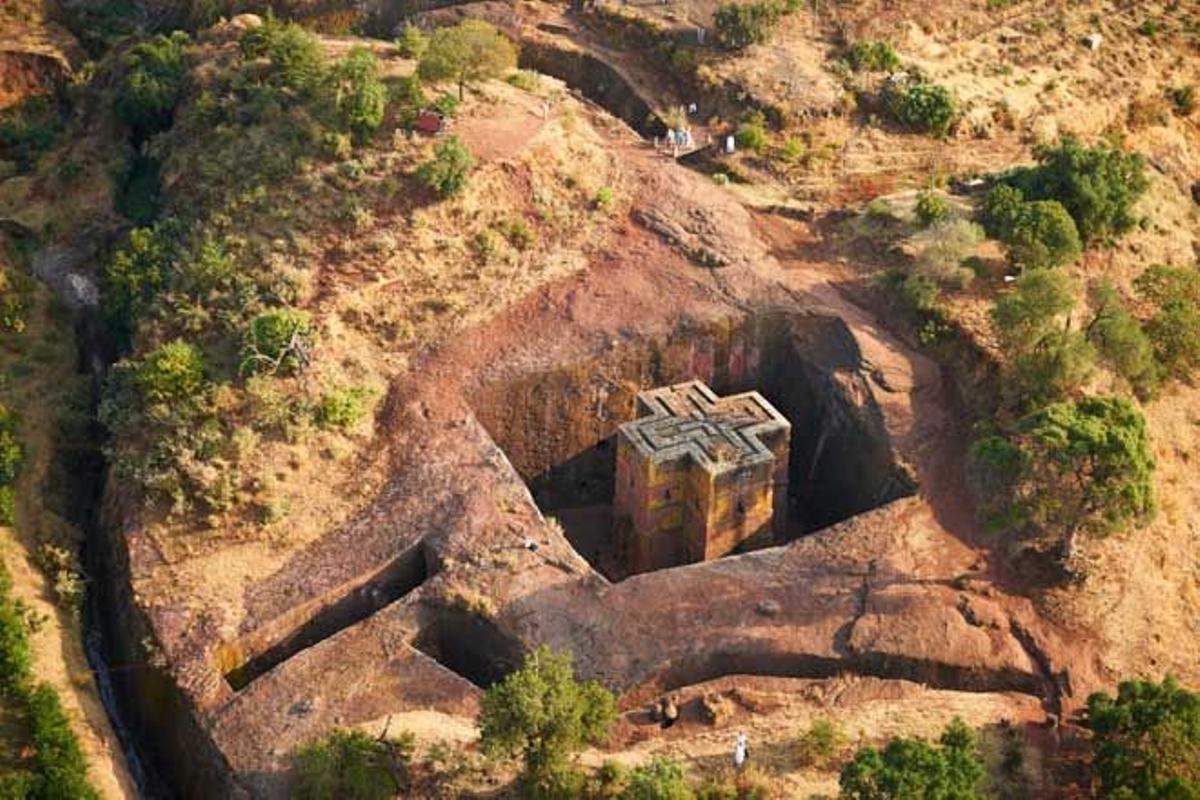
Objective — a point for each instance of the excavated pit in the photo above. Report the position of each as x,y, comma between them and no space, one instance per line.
557,425
262,652
471,646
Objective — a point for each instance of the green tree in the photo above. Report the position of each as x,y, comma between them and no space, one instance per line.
1123,342
909,769
1174,330
1089,468
1043,235
172,373
1001,209
1098,186
11,452
1060,363
359,95
447,172
467,53
1147,741
151,81
350,765
133,279
277,342
542,714
820,743
295,56
1038,306
752,133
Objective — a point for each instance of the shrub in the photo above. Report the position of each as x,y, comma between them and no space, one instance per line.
133,280
1147,740
541,713
171,373
752,133
342,408
16,299
739,25
660,779
1174,330
350,765
909,768
11,452
412,42
1057,366
1183,99
872,56
1098,186
277,342
153,73
447,172
15,654
8,506
604,198
941,250
27,130
467,53
1036,307
931,208
923,107
820,743
921,293
360,96
60,765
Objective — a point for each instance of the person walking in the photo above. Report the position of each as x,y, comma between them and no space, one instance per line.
741,751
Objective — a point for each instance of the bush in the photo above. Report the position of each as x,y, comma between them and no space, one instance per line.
133,280
1041,299
295,56
16,299
909,768
872,56
820,743
412,42
11,452
342,408
931,208
467,53
1174,330
27,130
171,373
350,765
541,713
15,654
1098,186
60,765
739,25
752,133
447,172
1147,741
148,91
1183,99
922,107
277,342
360,96
660,779
941,250
8,506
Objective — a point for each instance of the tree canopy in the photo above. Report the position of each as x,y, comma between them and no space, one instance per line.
1098,186
359,95
542,714
1147,741
153,73
350,765
910,769
1174,329
467,53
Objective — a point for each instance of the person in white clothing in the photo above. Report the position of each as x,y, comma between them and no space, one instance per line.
741,751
